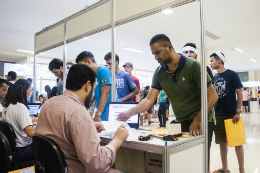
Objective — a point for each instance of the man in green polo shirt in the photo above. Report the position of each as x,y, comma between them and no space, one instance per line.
180,78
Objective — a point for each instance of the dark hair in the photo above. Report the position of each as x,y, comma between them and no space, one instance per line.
69,64
48,90
191,45
108,57
55,64
84,56
53,91
3,81
17,93
12,74
78,76
245,89
30,80
41,96
162,39
217,57
57,80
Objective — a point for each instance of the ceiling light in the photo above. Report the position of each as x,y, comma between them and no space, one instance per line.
27,51
236,49
127,48
85,38
213,36
168,11
253,60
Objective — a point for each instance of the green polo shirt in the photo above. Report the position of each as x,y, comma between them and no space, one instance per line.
183,88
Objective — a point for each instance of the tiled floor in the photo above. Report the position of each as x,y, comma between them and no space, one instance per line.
251,149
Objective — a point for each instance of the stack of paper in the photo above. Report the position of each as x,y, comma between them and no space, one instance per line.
112,126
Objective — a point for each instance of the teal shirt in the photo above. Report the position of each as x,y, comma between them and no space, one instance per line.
103,78
183,88
162,95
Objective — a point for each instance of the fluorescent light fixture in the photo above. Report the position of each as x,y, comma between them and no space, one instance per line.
27,51
236,49
168,11
85,38
136,50
253,60
256,171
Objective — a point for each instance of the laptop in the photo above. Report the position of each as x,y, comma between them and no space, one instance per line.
115,108
34,108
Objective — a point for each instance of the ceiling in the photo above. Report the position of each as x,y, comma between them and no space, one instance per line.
236,23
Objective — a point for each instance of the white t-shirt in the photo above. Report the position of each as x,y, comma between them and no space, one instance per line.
17,115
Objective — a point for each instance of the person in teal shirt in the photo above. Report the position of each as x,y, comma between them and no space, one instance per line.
162,100
103,89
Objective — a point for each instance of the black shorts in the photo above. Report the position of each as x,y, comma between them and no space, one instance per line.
245,103
149,111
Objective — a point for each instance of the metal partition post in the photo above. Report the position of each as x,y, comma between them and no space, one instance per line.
204,107
113,88
34,71
64,57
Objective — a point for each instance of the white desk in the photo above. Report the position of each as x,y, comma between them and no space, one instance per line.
185,155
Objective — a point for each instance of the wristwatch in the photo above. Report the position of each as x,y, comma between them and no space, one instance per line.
97,113
239,111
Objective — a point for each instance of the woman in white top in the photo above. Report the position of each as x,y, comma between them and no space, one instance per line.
15,112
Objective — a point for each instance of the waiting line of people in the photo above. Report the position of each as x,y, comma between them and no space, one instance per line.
66,120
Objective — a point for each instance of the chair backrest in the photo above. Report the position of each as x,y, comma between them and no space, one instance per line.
48,155
5,153
9,133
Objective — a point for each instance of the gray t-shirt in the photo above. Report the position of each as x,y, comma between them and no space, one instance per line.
17,115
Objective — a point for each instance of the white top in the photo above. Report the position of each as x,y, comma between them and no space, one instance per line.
17,115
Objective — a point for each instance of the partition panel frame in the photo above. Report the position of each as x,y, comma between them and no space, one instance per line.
115,23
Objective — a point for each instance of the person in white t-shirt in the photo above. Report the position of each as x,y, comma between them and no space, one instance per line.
15,112
3,91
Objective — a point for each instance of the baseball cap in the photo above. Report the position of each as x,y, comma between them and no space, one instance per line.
129,64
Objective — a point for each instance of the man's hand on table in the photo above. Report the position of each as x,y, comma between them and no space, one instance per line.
195,127
97,119
124,116
99,127
121,133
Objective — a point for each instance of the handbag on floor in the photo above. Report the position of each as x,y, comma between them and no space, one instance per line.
235,133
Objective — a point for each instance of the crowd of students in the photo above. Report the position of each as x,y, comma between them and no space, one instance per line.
66,120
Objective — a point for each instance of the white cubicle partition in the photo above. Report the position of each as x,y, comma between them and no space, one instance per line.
109,14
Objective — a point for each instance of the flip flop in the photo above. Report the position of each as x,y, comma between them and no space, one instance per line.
221,171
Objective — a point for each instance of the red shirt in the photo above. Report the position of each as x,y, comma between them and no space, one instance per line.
137,83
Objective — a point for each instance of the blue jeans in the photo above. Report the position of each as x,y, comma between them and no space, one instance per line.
162,114
23,154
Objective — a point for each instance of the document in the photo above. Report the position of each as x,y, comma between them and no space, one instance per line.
112,126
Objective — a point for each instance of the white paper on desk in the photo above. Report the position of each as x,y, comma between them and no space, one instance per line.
27,171
112,126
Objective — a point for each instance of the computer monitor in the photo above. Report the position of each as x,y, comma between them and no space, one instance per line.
115,108
33,108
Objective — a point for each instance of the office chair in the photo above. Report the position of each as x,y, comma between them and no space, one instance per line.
5,153
48,156
8,131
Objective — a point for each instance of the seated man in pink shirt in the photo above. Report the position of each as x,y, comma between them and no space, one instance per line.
65,120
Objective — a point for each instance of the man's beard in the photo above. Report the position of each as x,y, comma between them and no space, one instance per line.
165,61
89,99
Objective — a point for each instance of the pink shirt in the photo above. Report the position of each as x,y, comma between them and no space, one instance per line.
137,83
245,96
65,120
